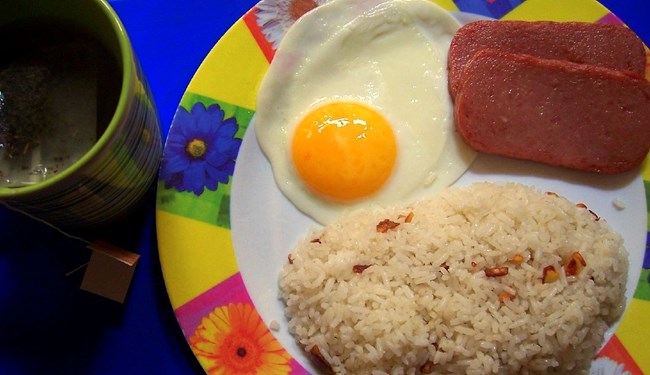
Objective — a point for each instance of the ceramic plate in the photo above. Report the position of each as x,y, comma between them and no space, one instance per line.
224,228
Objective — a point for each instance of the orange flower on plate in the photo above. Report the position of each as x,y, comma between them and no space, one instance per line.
233,340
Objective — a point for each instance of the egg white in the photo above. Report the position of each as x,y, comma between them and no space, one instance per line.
389,54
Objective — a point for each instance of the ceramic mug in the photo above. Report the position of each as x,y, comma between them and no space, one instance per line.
108,180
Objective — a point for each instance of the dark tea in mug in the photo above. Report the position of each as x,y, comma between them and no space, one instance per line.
59,88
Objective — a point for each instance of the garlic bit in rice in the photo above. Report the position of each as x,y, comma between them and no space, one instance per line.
496,271
386,225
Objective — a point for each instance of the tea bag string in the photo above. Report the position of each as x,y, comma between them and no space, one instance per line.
56,229
46,223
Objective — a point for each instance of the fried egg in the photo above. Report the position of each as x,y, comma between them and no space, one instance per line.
354,109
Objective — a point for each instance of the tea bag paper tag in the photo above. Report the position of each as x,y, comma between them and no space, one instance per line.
110,271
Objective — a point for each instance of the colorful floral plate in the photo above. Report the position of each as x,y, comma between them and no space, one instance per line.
224,229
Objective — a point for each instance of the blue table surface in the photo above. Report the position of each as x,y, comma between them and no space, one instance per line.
49,325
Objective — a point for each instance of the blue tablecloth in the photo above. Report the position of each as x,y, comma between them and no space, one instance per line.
49,325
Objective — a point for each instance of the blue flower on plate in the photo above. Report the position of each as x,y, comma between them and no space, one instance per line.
201,149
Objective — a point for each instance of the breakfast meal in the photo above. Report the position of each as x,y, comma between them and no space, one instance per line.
601,44
556,112
371,110
354,110
490,278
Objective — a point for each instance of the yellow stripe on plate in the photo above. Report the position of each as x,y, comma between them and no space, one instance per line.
645,169
634,332
194,256
567,10
233,69
447,4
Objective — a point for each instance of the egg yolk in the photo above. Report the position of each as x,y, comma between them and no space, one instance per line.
344,151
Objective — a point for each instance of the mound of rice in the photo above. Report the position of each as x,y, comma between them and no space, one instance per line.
429,295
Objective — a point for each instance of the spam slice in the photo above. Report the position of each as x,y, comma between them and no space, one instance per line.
555,112
607,45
